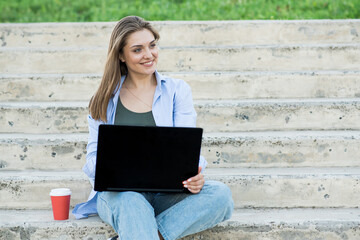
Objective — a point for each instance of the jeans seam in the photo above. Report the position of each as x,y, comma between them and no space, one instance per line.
146,201
162,231
112,215
168,211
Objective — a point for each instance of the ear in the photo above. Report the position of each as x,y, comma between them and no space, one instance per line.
121,58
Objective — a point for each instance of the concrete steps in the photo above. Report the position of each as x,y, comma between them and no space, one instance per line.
204,85
278,100
213,116
311,224
222,150
189,59
198,33
251,187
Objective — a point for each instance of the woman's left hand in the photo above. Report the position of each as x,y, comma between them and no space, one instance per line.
196,183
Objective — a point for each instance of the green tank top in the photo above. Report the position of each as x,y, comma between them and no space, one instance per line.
124,116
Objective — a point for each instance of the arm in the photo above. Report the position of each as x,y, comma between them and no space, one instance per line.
184,113
89,167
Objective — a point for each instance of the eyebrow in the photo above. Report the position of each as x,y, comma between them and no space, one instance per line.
142,45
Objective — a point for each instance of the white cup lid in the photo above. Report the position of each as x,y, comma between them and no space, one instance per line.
60,192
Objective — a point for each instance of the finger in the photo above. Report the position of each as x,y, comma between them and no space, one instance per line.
200,168
194,192
198,181
194,179
195,185
195,189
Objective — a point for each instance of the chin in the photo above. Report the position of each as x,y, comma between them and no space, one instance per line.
150,71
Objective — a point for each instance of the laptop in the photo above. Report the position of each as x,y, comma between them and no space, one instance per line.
146,159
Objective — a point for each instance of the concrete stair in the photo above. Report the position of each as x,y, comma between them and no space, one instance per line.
278,100
192,59
222,150
245,224
185,33
205,85
220,115
281,187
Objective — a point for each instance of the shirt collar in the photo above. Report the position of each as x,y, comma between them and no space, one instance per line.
159,79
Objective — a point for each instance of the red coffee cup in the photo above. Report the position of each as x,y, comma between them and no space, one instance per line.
60,200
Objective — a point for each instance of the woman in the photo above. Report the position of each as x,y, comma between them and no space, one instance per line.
132,92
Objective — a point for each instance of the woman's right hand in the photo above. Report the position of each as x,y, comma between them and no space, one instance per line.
196,183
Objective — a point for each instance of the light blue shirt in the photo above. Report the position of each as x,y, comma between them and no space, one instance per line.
172,106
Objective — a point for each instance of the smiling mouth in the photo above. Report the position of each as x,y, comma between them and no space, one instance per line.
148,63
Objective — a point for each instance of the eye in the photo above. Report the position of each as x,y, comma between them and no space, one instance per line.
137,50
153,45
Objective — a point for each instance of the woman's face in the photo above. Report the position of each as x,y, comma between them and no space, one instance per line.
140,54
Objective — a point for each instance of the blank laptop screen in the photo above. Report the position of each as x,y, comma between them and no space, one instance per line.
146,158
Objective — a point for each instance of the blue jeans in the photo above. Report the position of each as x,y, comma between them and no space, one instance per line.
141,215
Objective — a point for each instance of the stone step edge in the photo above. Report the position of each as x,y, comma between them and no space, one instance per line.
246,216
349,134
210,173
35,76
259,85
332,46
243,221
216,102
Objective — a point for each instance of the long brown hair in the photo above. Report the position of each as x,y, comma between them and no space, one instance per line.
114,68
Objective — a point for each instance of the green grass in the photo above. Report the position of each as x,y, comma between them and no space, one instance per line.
113,10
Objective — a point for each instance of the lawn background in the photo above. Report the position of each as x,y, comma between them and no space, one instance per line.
113,10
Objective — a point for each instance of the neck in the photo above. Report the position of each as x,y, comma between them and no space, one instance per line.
140,81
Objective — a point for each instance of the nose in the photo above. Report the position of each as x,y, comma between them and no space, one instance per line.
148,53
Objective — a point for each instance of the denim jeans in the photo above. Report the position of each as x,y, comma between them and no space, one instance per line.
175,215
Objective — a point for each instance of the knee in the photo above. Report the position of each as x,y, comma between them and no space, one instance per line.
222,197
123,210
129,196
219,190
130,199
124,200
